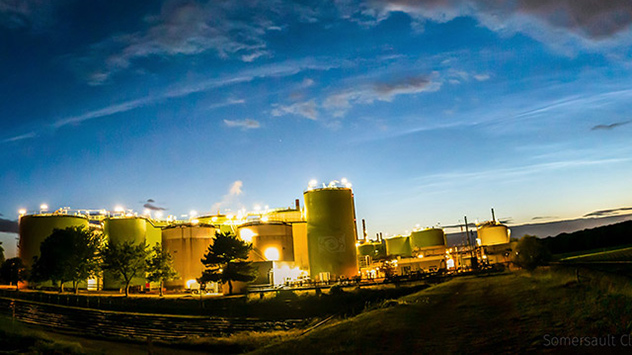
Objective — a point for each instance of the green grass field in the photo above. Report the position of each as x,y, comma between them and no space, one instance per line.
509,313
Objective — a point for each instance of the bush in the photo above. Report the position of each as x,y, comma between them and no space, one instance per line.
531,253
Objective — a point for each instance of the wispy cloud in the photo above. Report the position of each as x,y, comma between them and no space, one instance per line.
608,127
511,173
20,137
306,109
228,102
32,14
244,124
280,69
185,28
339,103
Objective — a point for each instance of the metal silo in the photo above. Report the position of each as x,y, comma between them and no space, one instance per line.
331,232
135,229
428,238
398,246
372,249
34,229
187,244
271,241
493,233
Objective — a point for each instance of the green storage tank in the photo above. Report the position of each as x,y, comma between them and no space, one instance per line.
372,249
493,233
398,246
134,229
427,238
331,233
34,229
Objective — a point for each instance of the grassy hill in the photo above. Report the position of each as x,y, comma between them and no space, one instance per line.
509,313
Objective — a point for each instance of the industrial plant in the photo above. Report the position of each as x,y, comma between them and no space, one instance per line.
316,243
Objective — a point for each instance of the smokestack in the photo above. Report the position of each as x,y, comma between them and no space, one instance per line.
364,229
467,233
493,215
298,204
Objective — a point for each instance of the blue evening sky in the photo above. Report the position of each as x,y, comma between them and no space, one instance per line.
432,109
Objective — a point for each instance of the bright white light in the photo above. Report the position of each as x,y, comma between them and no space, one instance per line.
348,185
257,208
192,213
103,212
214,219
312,183
264,219
22,212
344,181
271,254
119,209
230,216
44,207
246,234
191,283
158,215
195,221
147,212
450,263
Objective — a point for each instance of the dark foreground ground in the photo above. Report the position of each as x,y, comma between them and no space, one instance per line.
544,311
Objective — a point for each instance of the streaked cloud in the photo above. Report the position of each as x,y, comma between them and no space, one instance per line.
510,174
608,212
610,126
280,69
20,137
151,205
339,103
244,124
306,109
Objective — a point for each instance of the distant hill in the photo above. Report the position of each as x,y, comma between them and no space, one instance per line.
601,237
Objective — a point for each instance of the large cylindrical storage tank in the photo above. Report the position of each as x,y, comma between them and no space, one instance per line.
427,238
271,241
34,229
331,233
187,244
374,250
125,229
491,233
398,246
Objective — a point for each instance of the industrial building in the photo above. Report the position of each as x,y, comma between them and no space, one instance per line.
318,242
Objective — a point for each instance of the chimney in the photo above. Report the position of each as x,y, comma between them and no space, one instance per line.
298,204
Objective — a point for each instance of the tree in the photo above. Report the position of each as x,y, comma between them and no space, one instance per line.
125,261
13,271
69,254
225,261
160,266
531,253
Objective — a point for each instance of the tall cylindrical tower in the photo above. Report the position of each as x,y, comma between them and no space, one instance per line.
331,232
